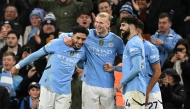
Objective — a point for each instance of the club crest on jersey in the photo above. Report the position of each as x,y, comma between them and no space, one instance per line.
111,44
78,55
101,42
71,53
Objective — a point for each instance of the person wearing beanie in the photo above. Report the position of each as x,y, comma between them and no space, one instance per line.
7,27
125,10
36,17
66,11
173,93
31,101
47,32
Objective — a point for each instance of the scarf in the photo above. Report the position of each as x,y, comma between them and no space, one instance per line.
6,80
177,67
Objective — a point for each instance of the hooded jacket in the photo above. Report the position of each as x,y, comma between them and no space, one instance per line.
169,40
173,96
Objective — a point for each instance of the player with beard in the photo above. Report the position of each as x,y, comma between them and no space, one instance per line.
12,44
57,76
133,70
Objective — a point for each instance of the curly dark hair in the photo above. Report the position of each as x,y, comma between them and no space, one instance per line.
80,29
130,19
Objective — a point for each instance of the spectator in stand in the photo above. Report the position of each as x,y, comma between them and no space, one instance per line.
173,93
47,32
31,72
12,44
165,38
31,101
9,81
125,10
66,11
4,98
11,14
178,9
179,60
105,6
7,27
85,19
142,7
36,18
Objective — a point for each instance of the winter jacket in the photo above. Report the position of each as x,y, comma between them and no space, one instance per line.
43,37
4,98
169,40
65,13
173,96
185,72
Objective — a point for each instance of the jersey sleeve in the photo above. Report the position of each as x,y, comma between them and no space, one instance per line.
135,51
52,46
153,55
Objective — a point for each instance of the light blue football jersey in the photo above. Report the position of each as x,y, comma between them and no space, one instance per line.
62,60
135,81
99,51
151,57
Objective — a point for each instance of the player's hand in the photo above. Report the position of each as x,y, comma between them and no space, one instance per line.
108,67
14,71
68,41
147,97
118,87
31,72
79,71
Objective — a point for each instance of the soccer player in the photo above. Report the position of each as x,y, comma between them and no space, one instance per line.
101,46
153,71
57,76
133,70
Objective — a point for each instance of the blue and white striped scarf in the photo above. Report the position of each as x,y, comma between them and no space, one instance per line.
6,80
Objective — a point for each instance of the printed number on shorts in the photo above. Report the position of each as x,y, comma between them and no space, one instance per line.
152,104
127,103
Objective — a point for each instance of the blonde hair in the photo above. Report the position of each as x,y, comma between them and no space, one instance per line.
105,15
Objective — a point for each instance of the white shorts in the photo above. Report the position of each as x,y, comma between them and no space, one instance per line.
155,101
50,100
93,96
134,100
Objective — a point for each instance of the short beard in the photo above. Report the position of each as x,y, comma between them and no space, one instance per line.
126,33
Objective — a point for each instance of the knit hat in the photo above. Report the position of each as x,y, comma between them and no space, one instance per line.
10,23
173,73
49,19
38,12
127,7
34,84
